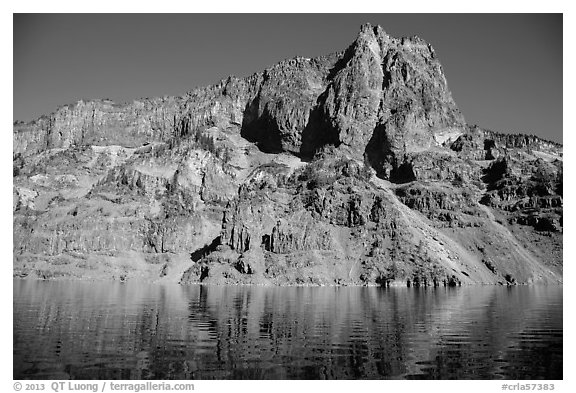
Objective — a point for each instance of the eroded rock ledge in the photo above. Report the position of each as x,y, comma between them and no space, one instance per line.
355,168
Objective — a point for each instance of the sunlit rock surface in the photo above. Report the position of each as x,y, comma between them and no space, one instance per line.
352,168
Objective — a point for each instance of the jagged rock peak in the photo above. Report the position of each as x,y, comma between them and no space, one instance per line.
374,32
381,97
377,35
185,188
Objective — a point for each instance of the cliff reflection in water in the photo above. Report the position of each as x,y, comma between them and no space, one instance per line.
142,331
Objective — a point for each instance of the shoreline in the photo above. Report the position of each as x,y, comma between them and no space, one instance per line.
367,285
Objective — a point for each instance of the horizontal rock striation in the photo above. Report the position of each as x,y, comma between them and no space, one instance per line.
354,168
99,123
382,97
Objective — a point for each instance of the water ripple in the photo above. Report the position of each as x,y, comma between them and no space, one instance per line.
127,331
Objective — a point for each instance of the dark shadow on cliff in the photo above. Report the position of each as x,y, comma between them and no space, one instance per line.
379,156
318,131
403,173
206,250
374,154
342,62
261,128
496,171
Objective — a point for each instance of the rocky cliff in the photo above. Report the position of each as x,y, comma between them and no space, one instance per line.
351,168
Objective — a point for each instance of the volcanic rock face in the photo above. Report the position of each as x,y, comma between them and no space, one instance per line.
351,168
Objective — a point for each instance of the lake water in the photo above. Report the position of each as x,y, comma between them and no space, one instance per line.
82,330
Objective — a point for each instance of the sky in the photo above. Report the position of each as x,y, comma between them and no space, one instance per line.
504,70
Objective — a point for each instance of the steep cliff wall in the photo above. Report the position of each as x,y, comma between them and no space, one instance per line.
351,168
382,97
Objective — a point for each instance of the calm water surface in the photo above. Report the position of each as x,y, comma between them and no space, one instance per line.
85,330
